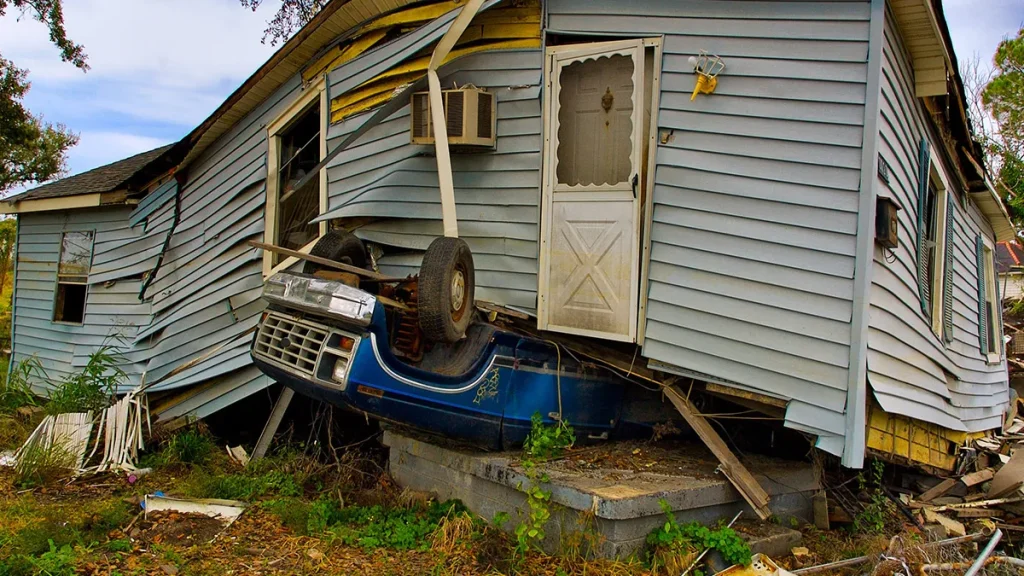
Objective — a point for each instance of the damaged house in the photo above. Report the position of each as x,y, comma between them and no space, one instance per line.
781,200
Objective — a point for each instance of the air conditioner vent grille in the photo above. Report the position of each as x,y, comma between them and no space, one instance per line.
456,113
484,111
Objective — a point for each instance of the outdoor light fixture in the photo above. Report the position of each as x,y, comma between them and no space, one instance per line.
707,67
320,296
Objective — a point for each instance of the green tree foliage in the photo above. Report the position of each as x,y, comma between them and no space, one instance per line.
292,15
32,150
1003,98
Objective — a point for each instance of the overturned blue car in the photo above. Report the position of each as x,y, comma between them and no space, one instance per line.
329,340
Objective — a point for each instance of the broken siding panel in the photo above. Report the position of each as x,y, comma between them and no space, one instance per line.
112,308
203,296
755,191
384,176
911,371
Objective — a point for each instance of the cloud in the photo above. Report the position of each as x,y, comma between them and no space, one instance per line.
977,27
158,69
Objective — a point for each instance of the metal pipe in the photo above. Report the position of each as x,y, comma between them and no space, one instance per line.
985,553
862,559
706,550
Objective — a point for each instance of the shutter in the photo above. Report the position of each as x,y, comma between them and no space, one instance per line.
923,282
999,306
979,249
947,280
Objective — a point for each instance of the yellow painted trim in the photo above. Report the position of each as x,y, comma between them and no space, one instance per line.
374,92
904,440
341,54
50,204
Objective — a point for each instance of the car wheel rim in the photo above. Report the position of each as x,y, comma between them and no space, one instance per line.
458,293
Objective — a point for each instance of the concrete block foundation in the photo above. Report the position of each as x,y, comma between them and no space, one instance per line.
614,508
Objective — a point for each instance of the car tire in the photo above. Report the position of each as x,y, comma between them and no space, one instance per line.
446,290
340,246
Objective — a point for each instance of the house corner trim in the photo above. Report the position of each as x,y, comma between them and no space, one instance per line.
854,443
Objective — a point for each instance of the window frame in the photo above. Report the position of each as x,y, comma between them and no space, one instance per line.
994,320
315,92
936,280
58,282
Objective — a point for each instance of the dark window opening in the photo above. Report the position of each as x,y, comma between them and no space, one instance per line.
70,305
300,153
73,277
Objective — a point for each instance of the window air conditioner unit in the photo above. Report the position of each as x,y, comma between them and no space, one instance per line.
469,112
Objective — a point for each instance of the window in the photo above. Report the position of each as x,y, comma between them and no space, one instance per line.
933,250
989,305
296,144
72,277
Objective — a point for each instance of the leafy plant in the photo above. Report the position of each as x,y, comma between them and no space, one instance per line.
547,441
56,562
543,442
92,388
879,510
188,448
674,539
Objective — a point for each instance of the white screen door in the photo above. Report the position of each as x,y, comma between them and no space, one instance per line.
590,212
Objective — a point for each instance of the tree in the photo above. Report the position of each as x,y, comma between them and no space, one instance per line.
1003,98
32,150
8,235
292,15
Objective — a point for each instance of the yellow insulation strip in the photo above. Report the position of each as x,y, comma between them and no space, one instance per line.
340,54
414,15
359,99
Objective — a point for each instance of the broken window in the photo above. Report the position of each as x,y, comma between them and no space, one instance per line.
299,146
73,277
989,305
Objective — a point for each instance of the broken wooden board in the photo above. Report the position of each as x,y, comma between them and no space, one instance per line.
324,262
1010,476
738,474
952,527
939,489
352,280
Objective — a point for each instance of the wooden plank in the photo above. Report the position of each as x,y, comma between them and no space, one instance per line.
975,478
938,490
324,262
280,406
730,465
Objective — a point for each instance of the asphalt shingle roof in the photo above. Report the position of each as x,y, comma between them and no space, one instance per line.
103,179
1009,255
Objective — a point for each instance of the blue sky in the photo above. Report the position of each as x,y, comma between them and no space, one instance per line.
159,67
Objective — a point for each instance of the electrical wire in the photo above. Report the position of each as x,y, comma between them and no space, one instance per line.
558,375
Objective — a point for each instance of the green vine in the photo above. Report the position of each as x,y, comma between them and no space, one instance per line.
679,539
543,442
879,509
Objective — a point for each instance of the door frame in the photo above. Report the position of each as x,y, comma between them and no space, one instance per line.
646,207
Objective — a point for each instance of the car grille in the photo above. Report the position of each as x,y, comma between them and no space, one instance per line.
290,342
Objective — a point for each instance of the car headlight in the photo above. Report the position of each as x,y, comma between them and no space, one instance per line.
340,370
327,297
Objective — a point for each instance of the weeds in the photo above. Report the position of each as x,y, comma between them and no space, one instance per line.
675,546
188,448
244,487
92,388
378,527
16,390
40,463
879,509
542,442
